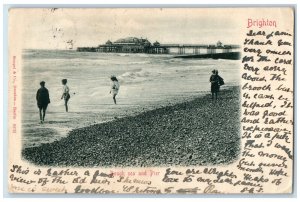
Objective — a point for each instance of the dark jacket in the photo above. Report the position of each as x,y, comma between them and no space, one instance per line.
42,97
214,80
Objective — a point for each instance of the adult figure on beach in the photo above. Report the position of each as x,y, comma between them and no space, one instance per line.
43,99
114,87
216,81
66,93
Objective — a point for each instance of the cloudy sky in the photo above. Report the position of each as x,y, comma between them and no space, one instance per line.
57,29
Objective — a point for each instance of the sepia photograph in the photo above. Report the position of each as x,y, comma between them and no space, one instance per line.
151,100
124,88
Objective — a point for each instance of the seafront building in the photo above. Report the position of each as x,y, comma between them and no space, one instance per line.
128,45
141,45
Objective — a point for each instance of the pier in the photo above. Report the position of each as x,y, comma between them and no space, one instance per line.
136,45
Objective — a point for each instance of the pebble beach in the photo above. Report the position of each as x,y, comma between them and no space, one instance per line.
201,131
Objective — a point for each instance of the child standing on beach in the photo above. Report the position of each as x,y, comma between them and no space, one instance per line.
42,98
114,87
216,81
66,93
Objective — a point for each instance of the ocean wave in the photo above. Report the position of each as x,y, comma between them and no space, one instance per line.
132,55
149,74
123,54
137,76
139,62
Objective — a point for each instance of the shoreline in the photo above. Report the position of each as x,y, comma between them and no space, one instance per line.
197,132
54,130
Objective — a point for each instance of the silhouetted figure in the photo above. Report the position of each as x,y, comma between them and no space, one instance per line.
216,81
42,98
114,87
66,93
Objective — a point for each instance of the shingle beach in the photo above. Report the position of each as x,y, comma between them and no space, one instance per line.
197,132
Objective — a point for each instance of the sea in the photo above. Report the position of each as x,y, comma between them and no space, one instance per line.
147,82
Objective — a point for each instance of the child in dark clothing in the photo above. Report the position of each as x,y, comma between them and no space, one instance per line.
42,98
216,81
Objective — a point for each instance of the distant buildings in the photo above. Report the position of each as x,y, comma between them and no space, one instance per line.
140,45
127,45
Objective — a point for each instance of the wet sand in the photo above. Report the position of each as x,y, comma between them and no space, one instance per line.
197,132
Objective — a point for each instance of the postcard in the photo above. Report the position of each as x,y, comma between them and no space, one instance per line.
151,100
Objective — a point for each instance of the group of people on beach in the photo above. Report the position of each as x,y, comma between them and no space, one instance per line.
43,98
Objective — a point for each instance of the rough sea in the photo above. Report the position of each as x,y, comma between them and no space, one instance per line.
146,82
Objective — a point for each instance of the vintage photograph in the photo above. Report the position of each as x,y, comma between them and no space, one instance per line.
151,100
130,88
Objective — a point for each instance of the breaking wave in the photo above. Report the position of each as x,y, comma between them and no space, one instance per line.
140,75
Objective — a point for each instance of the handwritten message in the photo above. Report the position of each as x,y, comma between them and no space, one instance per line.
265,161
267,107
102,182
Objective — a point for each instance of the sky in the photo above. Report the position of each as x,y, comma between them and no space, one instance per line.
65,28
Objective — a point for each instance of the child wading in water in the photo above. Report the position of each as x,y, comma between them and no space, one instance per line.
114,88
42,98
66,93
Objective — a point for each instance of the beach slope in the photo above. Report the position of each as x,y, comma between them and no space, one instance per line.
197,132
